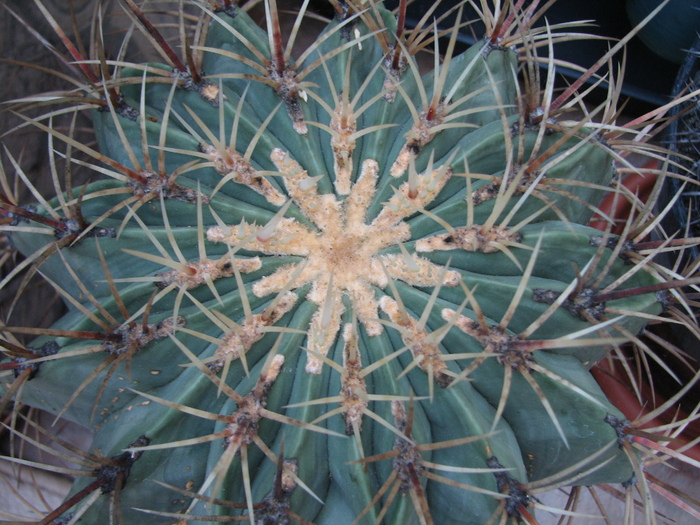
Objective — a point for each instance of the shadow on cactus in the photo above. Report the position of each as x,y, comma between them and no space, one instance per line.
329,289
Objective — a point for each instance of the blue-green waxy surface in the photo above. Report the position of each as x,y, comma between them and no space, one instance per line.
541,430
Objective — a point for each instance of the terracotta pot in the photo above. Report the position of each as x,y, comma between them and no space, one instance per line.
615,382
617,387
641,185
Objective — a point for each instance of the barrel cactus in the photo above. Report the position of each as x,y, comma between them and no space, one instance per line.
332,289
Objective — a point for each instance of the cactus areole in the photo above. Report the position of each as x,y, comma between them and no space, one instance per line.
332,290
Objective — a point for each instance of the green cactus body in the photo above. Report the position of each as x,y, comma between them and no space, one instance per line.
383,278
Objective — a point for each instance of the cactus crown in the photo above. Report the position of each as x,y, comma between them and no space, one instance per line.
329,288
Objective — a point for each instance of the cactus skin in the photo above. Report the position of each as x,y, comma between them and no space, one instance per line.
349,276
